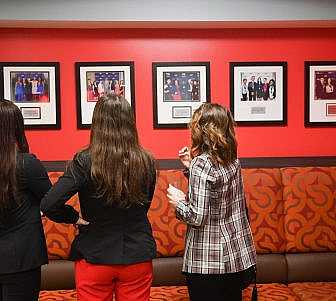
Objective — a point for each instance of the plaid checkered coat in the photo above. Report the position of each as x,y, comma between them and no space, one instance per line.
219,238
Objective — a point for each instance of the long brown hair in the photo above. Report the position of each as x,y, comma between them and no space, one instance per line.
212,131
12,141
121,168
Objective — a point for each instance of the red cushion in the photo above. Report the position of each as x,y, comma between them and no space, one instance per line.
271,292
61,295
310,208
263,190
167,230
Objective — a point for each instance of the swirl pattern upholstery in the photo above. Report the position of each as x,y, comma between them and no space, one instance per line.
312,291
266,292
60,295
271,292
59,236
310,208
263,190
167,230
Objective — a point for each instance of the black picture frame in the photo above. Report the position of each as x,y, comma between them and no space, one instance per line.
196,103
309,98
56,92
113,64
278,122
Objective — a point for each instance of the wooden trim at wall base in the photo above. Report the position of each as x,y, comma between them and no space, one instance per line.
259,162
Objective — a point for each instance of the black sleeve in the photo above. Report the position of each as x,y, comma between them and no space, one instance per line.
53,204
36,176
186,173
152,183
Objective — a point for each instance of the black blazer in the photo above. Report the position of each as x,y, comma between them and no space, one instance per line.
22,242
114,235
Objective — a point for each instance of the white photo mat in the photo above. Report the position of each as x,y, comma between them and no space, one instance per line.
48,109
86,107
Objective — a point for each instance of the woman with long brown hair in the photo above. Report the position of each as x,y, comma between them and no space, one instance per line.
23,183
115,178
219,255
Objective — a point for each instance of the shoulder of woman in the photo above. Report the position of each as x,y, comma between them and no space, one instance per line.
82,159
30,162
29,158
201,161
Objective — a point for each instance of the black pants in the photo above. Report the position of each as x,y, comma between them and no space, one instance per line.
22,286
217,287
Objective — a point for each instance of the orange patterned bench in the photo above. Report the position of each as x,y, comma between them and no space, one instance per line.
293,219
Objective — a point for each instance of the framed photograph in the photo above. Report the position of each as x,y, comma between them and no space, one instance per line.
259,93
96,79
320,94
34,88
179,88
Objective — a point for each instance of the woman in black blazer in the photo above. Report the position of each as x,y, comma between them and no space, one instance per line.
115,178
23,183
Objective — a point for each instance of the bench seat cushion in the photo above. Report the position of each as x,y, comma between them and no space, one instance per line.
60,295
271,292
266,292
312,291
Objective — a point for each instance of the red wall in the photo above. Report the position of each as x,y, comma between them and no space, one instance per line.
145,46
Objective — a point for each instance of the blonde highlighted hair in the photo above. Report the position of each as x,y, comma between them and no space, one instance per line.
212,132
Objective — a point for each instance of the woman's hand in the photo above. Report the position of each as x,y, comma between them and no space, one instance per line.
81,222
184,155
174,195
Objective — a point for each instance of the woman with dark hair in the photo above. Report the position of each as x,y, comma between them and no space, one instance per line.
259,88
115,178
40,88
19,91
23,183
177,90
272,89
219,254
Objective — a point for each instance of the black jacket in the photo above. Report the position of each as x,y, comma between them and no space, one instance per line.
22,242
114,235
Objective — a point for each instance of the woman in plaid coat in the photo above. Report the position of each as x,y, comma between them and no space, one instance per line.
219,248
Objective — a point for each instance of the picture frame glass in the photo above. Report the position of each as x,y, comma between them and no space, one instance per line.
320,94
258,93
178,90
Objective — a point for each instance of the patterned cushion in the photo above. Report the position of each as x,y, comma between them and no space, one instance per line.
65,295
167,230
310,208
266,292
321,291
169,293
271,292
263,190
59,236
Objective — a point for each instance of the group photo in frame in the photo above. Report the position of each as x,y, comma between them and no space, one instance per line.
35,88
179,88
258,93
320,93
96,79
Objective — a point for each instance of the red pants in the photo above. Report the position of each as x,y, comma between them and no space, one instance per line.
99,282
